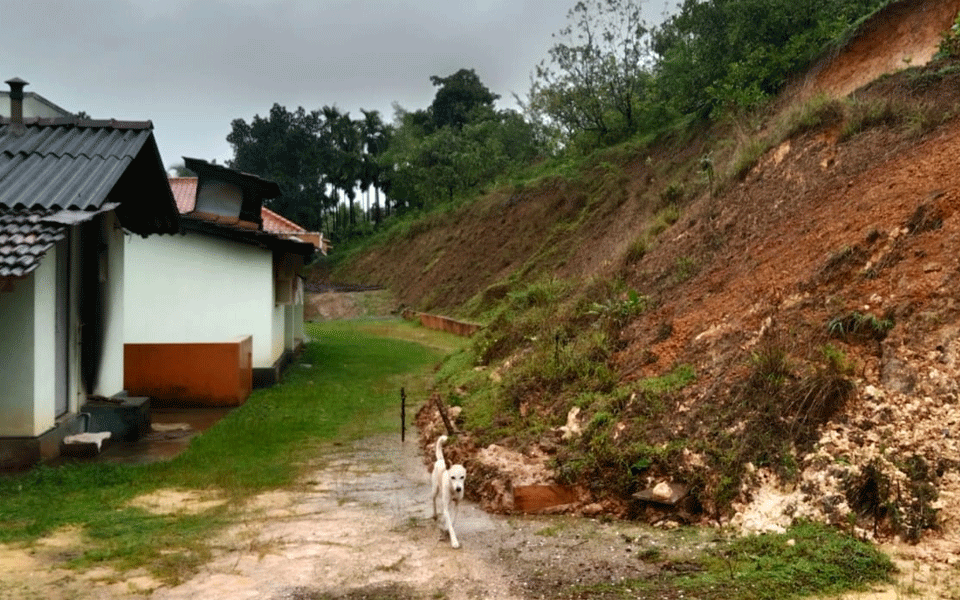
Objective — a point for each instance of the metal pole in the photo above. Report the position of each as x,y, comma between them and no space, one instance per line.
403,415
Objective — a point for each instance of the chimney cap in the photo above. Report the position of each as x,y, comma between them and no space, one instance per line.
16,81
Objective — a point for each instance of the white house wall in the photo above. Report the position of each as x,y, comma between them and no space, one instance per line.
16,359
110,381
199,288
44,340
279,332
28,369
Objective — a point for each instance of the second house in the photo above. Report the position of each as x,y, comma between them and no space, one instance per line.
218,310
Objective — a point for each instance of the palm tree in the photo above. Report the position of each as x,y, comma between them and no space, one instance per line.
375,138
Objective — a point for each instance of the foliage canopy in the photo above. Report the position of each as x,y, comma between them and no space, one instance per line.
608,77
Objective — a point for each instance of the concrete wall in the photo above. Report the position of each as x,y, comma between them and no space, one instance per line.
278,338
440,323
44,345
295,335
197,288
28,374
30,426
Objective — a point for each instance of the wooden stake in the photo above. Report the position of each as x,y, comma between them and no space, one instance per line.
403,415
443,414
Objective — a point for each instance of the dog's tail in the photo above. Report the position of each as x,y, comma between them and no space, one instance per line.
440,441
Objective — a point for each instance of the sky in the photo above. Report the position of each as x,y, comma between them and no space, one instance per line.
193,66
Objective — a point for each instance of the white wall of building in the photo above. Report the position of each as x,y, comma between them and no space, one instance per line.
44,340
16,359
279,332
110,381
199,288
28,339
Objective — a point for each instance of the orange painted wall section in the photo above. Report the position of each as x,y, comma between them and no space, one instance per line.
195,374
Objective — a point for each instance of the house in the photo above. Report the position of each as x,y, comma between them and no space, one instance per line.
32,105
220,306
71,189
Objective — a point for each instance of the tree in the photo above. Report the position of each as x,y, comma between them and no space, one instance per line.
181,170
597,73
459,96
341,151
458,145
376,138
284,147
718,53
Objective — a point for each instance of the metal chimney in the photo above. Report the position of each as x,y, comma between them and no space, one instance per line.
16,105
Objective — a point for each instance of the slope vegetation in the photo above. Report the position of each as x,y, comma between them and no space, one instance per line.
800,269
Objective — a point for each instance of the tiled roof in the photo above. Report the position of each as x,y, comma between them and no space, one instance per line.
277,223
65,170
184,192
24,239
66,163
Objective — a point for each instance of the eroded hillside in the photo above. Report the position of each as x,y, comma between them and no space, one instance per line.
833,257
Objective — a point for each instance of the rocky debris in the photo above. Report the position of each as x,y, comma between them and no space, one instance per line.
572,428
494,472
890,465
664,493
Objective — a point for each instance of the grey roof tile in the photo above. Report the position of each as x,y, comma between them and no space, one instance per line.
24,239
71,164
66,163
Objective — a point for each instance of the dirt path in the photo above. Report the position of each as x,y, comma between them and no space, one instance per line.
358,525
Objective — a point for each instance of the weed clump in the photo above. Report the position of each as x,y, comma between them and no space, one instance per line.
903,496
772,416
624,437
857,326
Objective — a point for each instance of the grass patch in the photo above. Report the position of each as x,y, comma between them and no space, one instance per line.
345,385
665,217
810,559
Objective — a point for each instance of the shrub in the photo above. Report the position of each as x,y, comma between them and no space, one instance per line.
857,326
950,44
636,250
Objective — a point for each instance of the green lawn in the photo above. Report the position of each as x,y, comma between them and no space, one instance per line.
347,383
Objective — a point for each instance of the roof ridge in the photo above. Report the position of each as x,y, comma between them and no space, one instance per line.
82,123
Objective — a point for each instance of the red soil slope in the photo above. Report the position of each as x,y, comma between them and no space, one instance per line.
823,226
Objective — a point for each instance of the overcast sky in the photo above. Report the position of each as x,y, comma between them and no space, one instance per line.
192,66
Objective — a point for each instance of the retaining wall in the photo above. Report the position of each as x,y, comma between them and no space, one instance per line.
438,323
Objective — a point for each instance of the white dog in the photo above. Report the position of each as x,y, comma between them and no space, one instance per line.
448,485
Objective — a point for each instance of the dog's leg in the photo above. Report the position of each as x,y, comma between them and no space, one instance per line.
433,493
454,542
438,475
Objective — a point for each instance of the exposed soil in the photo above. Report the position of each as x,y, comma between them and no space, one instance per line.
824,226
